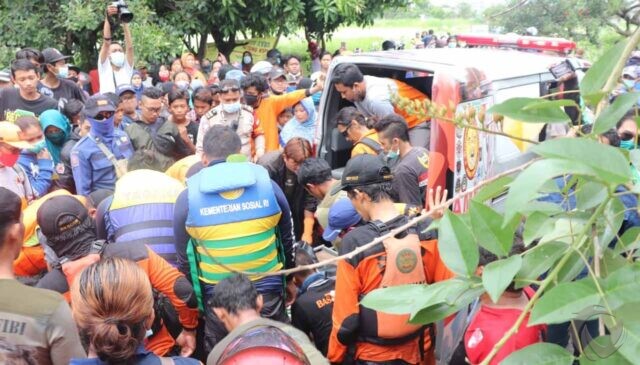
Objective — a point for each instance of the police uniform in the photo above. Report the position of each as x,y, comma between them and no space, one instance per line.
242,123
92,170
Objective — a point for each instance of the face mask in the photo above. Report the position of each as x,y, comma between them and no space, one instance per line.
163,75
251,100
452,45
63,72
37,147
627,145
247,60
392,155
628,83
74,79
231,108
117,58
10,159
102,128
207,68
182,85
56,137
196,84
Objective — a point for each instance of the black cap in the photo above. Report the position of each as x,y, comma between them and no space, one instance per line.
10,208
52,55
60,214
98,103
275,73
363,170
74,68
314,171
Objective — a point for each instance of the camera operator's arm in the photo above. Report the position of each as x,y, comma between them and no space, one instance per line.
106,34
128,44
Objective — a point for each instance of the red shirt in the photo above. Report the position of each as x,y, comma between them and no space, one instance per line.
488,327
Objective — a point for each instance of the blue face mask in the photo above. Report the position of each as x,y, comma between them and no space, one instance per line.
628,83
36,148
231,108
102,129
627,145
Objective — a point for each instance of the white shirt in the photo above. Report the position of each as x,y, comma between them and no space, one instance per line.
107,75
377,100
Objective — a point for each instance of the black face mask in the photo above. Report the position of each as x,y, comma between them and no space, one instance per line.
251,100
74,79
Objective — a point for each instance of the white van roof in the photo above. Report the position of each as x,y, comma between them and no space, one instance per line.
497,64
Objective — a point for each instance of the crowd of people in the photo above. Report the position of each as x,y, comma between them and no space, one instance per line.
146,218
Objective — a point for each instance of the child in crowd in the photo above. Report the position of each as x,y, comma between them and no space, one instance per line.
178,109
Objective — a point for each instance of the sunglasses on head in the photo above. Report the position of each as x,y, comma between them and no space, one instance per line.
103,115
227,90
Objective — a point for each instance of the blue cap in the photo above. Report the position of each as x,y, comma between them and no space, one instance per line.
342,215
124,88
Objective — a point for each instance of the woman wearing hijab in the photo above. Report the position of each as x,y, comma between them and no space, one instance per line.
136,83
189,65
303,123
57,131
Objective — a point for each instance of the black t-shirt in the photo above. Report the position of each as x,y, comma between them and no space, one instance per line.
311,312
10,101
66,91
410,177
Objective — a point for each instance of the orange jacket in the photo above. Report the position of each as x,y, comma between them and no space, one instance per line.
164,278
268,112
352,283
407,91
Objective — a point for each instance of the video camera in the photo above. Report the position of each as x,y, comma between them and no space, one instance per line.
124,14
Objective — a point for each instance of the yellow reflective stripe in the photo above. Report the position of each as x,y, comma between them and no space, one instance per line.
234,251
247,266
216,278
234,230
134,189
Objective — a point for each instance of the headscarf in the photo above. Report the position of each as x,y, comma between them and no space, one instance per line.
140,89
306,129
54,118
195,74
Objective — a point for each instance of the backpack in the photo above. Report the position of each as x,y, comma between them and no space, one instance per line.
402,265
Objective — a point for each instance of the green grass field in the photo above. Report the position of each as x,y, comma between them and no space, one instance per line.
371,38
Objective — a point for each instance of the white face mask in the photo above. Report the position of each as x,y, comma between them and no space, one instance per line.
231,108
117,58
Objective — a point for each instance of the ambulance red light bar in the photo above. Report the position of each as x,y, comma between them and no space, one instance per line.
517,41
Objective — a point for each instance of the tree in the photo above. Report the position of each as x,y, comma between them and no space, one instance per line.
573,19
561,242
226,20
322,17
75,26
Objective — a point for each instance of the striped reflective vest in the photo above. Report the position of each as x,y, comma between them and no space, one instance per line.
232,220
142,211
